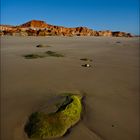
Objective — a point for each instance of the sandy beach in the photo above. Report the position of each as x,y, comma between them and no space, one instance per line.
111,84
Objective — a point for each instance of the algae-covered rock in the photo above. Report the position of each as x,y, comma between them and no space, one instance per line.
52,125
86,59
34,56
41,46
51,53
42,55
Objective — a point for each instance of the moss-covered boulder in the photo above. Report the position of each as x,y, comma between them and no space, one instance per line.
55,124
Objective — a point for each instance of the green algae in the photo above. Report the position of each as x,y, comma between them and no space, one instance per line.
42,55
34,56
86,59
53,125
51,53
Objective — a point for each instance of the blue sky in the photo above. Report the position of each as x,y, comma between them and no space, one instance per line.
115,15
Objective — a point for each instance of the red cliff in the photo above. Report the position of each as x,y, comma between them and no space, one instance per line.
41,28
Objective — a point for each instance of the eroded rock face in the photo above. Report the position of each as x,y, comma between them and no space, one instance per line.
40,28
34,24
121,34
105,33
6,27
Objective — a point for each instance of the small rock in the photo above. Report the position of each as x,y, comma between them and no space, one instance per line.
86,65
41,46
118,42
38,46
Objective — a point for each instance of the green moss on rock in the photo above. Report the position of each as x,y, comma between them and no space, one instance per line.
53,125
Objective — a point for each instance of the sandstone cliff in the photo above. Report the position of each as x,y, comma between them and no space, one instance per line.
41,28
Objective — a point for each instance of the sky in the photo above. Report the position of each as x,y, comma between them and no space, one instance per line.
115,15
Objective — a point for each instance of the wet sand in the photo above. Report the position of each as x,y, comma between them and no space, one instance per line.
111,85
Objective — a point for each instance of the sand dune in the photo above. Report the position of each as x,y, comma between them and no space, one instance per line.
111,85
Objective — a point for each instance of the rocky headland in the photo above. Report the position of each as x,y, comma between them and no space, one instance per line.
41,28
